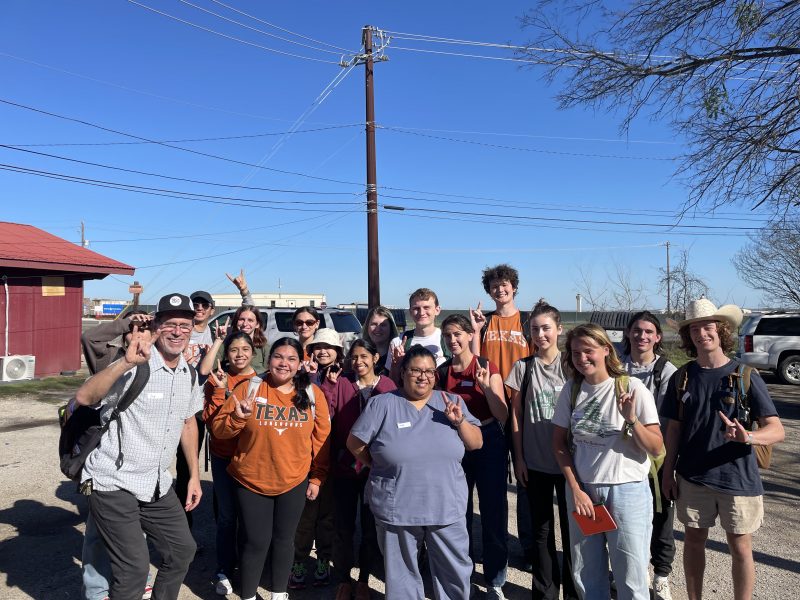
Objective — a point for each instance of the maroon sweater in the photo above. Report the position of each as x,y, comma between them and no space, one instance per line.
344,402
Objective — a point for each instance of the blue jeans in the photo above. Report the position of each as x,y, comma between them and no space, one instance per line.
486,469
628,547
227,515
96,570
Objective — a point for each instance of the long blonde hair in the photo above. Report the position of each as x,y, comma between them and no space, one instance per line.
598,335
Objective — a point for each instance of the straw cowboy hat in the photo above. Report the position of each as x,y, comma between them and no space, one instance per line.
703,309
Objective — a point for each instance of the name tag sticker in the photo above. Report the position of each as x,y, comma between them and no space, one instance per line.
154,395
404,425
685,397
516,332
558,388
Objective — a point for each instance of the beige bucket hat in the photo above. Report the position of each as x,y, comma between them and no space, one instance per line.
325,336
703,309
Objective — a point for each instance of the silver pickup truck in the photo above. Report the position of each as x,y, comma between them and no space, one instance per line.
771,342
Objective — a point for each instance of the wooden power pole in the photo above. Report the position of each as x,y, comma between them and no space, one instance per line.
373,264
669,282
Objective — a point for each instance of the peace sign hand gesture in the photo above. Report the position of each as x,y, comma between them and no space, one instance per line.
453,412
477,318
244,408
138,351
239,281
218,376
734,430
482,377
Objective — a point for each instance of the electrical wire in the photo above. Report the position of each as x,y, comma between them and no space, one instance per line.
230,37
305,37
172,177
518,149
150,94
168,193
256,29
187,140
165,145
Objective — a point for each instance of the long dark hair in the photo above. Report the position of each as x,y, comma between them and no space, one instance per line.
301,380
259,341
459,321
368,345
310,310
229,339
643,315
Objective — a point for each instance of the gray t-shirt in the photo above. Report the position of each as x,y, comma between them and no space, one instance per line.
416,476
644,373
538,407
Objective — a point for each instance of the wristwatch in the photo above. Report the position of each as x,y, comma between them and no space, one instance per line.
627,429
749,440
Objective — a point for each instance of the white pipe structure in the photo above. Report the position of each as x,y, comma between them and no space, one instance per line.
5,286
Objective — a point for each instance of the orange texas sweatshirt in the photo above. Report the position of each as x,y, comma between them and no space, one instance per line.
215,398
278,444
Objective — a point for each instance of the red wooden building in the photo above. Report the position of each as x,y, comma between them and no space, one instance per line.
41,295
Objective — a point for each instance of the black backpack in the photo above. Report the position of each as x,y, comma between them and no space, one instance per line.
82,430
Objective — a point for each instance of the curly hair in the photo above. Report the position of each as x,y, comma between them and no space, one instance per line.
724,331
502,272
599,336
643,315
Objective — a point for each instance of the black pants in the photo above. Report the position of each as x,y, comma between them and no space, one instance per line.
268,522
182,473
121,519
547,577
662,541
348,500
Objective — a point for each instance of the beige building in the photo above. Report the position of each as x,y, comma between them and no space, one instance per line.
272,300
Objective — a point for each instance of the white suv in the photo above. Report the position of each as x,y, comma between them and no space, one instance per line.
771,341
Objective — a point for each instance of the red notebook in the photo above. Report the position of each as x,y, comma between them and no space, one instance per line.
603,521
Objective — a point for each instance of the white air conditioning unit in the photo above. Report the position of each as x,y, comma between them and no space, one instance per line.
17,367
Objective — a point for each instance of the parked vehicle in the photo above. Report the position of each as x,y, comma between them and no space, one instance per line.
771,341
279,323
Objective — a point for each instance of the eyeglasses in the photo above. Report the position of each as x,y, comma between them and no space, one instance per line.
300,323
428,373
175,327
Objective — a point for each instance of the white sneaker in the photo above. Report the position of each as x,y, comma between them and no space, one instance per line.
495,593
223,587
280,595
661,589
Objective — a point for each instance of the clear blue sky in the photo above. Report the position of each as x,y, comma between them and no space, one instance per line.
118,65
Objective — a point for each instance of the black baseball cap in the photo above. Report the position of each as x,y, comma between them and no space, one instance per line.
175,303
201,295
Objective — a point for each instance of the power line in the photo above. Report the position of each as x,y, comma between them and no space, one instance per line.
165,145
230,37
187,140
256,29
150,94
562,220
226,201
345,50
174,178
518,149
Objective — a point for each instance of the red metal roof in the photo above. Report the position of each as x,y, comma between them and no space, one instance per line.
28,247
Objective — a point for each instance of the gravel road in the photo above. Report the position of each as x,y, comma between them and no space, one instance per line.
42,516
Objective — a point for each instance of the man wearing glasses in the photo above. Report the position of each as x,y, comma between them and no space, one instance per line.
128,474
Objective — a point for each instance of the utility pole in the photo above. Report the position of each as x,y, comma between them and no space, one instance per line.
83,235
373,264
669,282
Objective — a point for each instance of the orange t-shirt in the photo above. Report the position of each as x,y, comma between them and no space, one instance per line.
504,342
215,398
278,444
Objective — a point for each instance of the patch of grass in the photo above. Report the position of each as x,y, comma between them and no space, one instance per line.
38,386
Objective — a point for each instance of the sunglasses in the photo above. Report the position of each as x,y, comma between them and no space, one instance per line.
309,323
203,305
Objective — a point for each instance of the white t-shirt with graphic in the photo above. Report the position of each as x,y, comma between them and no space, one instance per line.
603,455
432,342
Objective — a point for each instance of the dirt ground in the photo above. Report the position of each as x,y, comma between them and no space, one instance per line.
42,517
